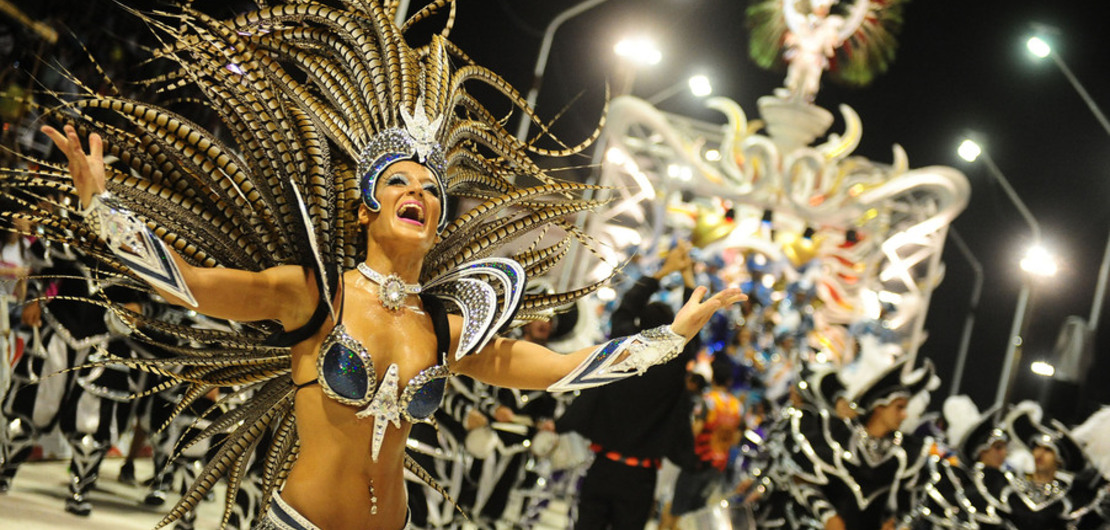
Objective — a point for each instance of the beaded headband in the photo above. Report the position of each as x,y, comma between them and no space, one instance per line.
416,141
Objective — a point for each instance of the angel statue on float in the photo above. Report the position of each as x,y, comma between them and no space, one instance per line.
853,46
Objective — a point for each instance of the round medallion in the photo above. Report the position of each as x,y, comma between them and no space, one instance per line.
391,292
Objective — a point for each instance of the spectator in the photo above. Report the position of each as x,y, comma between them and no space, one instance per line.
634,423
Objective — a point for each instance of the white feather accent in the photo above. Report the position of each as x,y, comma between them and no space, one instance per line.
1032,407
1094,437
961,413
874,358
915,412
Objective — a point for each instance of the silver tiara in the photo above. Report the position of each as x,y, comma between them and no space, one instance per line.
415,141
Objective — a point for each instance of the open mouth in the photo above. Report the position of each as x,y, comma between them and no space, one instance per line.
411,212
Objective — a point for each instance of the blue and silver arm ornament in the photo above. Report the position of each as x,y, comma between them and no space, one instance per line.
135,245
608,363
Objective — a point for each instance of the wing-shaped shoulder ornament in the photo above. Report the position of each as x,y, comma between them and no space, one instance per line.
487,293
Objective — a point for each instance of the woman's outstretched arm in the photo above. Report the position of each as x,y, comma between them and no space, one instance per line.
284,293
521,364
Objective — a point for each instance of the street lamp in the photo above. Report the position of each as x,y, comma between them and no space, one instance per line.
1040,48
699,86
1038,261
640,50
633,52
973,307
1043,369
541,60
1034,262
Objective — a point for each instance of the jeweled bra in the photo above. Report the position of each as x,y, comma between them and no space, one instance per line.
345,372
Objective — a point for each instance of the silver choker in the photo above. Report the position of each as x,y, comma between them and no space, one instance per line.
392,291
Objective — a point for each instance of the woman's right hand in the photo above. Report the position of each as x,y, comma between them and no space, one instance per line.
87,171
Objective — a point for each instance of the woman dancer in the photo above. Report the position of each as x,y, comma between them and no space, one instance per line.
366,138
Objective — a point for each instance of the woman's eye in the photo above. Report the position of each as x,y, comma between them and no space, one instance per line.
397,180
432,189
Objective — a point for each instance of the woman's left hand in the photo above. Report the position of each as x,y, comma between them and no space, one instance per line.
696,313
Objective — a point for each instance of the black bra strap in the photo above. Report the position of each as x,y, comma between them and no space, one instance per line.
314,381
440,324
292,337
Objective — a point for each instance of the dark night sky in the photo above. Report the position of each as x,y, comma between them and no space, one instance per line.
960,65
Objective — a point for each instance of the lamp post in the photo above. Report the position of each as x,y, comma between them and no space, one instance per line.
631,52
1040,48
1037,261
541,60
969,321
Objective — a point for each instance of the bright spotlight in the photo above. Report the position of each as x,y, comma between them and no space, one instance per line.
1043,368
1038,261
969,150
700,86
640,50
712,155
1038,47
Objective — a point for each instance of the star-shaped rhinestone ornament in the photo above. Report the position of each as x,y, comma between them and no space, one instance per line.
422,130
385,408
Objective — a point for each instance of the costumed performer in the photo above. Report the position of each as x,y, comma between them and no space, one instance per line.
341,130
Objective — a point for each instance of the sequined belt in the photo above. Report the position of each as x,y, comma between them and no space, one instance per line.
633,461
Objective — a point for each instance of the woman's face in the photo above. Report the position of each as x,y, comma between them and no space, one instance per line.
410,205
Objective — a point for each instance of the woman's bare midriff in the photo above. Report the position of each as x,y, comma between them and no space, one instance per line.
330,483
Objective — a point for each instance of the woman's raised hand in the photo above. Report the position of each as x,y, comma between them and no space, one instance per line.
87,171
695,314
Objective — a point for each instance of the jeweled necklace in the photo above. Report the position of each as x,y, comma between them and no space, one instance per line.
392,291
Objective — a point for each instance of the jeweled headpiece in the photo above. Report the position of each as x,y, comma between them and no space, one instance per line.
416,141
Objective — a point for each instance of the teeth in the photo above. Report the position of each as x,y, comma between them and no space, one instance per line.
414,207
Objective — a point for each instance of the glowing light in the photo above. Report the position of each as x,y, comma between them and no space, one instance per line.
1038,47
969,150
679,172
712,155
606,294
1038,261
700,86
639,50
1043,368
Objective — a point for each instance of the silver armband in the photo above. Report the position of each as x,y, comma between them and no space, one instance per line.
135,246
644,350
